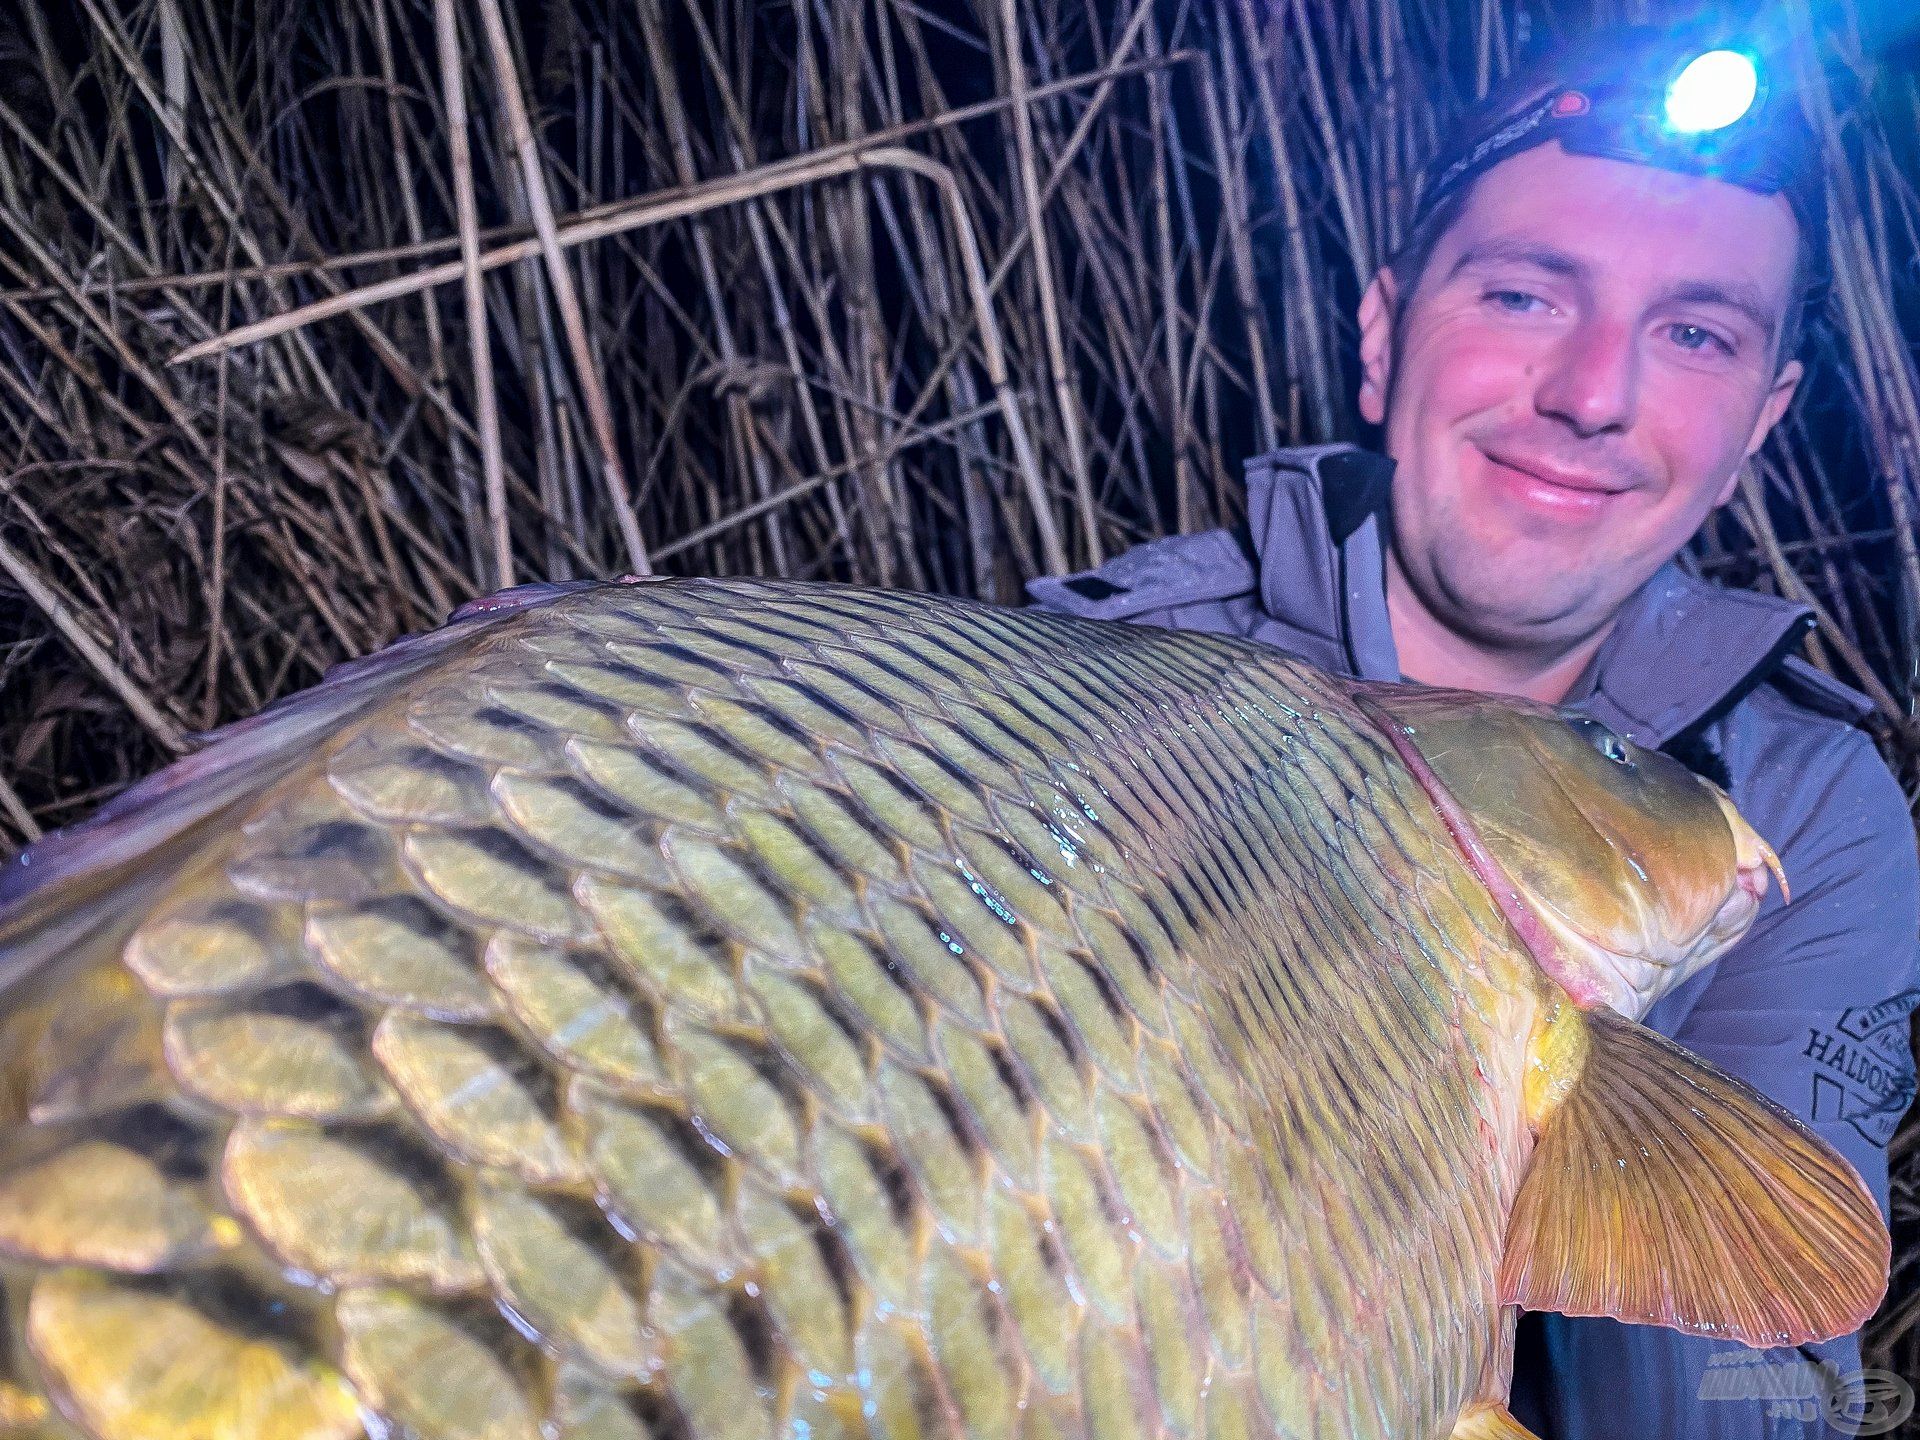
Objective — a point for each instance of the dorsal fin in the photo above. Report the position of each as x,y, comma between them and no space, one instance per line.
1664,1191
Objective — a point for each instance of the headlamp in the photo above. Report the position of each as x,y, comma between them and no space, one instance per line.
1704,114
1699,103
1712,91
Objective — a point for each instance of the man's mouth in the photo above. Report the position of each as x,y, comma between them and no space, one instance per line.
1548,485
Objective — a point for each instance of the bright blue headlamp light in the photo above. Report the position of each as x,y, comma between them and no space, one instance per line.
1710,92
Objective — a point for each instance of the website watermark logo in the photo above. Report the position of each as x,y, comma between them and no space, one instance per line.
1864,1402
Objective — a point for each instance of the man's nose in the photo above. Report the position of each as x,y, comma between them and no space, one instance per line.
1593,379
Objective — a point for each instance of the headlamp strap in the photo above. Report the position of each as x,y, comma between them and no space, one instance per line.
1521,125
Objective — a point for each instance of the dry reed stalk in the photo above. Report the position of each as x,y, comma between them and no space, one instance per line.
473,292
17,813
692,202
586,369
1026,166
71,629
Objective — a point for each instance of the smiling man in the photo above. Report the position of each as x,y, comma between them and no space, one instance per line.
1592,326
1576,373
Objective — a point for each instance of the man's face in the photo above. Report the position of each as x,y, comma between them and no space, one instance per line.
1584,363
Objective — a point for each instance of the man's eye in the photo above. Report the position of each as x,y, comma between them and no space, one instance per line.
1699,339
1517,302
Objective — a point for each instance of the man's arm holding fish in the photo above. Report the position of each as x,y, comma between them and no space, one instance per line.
1811,1008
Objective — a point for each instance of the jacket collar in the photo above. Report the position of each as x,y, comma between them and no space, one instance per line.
1315,531
1683,653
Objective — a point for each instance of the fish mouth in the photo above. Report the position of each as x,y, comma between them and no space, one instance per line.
1630,984
1755,858
1594,974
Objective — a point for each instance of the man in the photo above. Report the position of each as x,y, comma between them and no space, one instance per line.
1592,326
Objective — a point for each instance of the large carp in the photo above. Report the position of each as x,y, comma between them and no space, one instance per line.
712,1010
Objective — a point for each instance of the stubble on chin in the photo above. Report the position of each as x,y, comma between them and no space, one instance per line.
1513,600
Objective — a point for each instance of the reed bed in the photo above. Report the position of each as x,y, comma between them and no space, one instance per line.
928,293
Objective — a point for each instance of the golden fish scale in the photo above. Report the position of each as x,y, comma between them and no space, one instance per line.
720,1009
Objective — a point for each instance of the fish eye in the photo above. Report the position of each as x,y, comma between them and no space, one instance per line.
1603,740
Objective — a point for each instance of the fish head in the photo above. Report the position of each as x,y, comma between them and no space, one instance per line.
1622,870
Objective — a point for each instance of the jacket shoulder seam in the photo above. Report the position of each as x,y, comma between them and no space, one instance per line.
1166,574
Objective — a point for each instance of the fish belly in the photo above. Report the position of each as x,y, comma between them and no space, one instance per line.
723,1009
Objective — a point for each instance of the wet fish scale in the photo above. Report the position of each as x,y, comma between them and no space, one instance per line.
796,1011
564,1272
576,1006
215,944
567,821
291,1052
978,919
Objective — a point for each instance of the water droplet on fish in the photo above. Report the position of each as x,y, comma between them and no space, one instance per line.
986,892
518,1321
707,1135
1069,852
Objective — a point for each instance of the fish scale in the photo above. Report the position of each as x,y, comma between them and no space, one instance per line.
725,1009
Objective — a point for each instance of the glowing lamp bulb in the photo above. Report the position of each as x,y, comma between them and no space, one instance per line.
1713,91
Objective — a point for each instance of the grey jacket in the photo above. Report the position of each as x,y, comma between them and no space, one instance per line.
1811,1006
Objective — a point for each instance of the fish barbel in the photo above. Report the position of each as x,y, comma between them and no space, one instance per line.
720,1010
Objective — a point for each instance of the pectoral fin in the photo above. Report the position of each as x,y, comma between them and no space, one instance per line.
1490,1422
1664,1191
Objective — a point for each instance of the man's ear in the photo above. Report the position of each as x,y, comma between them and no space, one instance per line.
1771,409
1376,345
